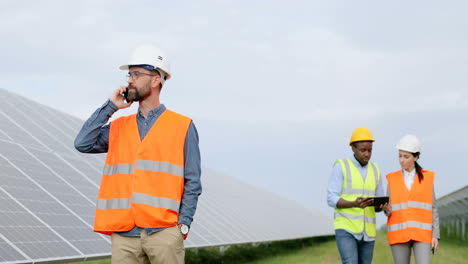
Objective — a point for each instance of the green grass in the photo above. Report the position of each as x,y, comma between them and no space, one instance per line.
449,252
325,252
320,251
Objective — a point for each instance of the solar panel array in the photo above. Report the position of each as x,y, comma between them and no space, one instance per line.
453,212
48,192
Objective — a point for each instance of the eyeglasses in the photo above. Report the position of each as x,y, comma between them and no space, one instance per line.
134,75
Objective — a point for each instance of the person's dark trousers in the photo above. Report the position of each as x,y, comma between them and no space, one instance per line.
353,251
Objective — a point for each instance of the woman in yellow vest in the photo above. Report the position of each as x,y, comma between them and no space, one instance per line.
413,221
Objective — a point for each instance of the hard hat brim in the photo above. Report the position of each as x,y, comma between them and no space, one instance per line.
361,140
126,67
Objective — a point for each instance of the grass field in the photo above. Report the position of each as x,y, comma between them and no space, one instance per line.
449,253
327,253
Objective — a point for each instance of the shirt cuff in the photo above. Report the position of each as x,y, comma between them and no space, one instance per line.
334,201
184,221
111,105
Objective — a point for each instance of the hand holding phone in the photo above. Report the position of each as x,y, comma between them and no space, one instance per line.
118,97
435,245
125,95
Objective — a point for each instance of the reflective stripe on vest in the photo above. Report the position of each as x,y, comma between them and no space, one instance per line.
355,219
409,224
113,203
411,217
143,180
140,198
413,204
159,166
118,169
149,165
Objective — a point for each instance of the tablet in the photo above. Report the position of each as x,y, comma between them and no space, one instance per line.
379,200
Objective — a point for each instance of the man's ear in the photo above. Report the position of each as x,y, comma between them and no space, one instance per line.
156,81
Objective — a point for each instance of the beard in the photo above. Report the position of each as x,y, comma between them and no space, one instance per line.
136,95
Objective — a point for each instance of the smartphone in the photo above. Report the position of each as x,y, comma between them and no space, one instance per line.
125,94
432,250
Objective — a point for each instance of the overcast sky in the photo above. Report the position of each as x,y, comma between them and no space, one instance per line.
275,88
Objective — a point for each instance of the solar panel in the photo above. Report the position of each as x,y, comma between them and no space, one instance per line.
453,212
48,192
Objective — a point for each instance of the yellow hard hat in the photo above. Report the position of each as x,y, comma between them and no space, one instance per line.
361,134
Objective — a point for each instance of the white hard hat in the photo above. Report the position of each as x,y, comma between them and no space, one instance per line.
409,143
153,57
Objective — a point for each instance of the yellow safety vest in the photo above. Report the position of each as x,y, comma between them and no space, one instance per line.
356,219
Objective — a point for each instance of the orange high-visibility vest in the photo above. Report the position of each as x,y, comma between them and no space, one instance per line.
411,217
143,181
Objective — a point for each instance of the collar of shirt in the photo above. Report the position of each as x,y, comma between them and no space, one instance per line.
409,178
157,111
362,169
145,124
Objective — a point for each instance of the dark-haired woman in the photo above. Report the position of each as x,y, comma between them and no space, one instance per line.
413,220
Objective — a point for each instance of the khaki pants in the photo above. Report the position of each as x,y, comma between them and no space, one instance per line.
163,247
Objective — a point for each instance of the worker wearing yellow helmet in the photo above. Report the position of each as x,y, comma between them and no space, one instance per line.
351,181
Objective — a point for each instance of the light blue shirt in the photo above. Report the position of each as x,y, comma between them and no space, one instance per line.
94,138
335,184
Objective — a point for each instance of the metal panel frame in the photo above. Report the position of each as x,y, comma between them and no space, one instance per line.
46,181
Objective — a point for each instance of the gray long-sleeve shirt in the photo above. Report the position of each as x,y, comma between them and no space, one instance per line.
94,138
